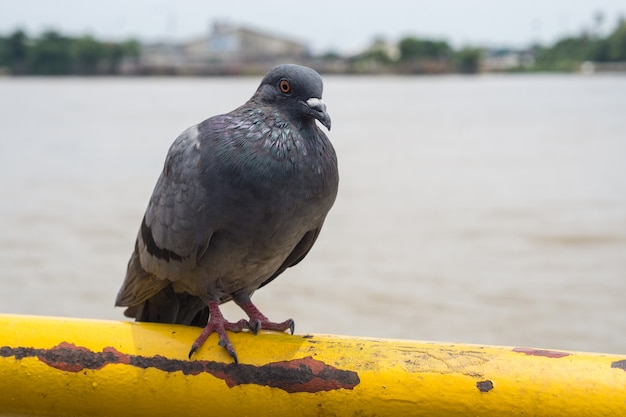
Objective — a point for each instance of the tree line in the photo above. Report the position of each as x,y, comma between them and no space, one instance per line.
412,55
415,55
567,54
55,54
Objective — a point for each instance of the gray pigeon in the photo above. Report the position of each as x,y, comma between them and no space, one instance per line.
242,197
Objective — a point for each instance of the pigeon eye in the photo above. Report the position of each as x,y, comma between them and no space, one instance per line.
285,86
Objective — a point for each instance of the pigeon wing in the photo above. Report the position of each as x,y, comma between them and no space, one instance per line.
177,226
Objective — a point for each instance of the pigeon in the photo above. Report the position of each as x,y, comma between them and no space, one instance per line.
241,198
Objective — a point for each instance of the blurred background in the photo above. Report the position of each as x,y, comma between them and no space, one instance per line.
482,153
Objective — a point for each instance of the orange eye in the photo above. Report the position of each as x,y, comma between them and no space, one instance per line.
285,86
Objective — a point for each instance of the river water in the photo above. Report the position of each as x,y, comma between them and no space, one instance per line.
486,209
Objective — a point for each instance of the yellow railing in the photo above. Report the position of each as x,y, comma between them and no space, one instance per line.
75,367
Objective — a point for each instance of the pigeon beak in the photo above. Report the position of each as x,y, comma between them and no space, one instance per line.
319,111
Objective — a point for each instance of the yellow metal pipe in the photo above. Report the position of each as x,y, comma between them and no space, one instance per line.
75,367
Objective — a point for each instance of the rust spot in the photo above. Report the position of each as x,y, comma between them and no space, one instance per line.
65,356
619,364
484,386
297,375
541,352
69,357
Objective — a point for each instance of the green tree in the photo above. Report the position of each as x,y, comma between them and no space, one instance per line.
115,53
467,60
87,55
616,43
598,51
16,52
416,49
55,54
566,55
4,59
331,55
51,55
112,55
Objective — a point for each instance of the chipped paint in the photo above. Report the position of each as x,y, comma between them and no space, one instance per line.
619,364
140,369
296,375
541,352
484,386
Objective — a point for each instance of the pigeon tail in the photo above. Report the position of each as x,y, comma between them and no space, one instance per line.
168,306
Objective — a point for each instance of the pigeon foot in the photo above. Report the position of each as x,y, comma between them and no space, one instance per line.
218,324
258,320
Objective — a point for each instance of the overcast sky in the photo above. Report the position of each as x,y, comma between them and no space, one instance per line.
344,26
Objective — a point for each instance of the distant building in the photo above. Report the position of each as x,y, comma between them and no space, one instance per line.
228,49
495,60
228,42
161,55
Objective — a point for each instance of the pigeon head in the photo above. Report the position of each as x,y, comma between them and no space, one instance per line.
296,90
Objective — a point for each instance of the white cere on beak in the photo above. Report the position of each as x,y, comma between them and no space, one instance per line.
316,103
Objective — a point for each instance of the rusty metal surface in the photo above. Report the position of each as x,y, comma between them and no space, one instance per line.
74,367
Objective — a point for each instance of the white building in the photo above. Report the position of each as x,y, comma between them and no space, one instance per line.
227,48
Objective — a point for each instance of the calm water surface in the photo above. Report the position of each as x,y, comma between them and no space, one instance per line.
481,210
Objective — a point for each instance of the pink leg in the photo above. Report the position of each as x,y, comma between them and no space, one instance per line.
218,324
258,320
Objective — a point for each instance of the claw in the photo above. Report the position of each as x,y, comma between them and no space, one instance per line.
225,343
258,321
193,350
219,325
254,326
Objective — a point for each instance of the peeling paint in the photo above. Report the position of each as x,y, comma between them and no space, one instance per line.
619,364
296,375
541,352
484,386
